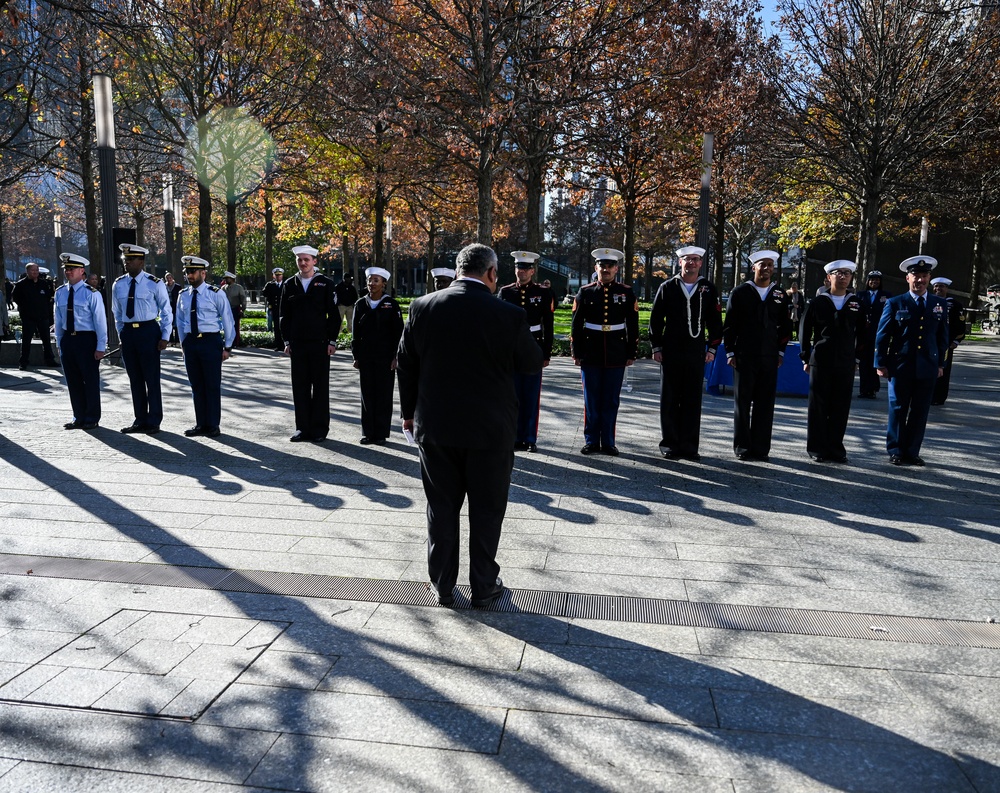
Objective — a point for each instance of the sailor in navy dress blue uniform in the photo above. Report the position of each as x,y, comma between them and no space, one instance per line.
756,331
830,335
141,307
956,333
872,305
377,325
82,337
910,349
685,308
604,339
206,331
539,304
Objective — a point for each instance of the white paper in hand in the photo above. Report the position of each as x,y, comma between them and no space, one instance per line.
408,435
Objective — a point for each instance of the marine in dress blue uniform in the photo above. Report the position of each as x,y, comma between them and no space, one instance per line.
539,304
830,335
956,333
685,309
310,323
206,331
872,305
755,332
604,339
82,337
141,307
376,326
910,349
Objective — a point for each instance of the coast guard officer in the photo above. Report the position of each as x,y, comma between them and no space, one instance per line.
539,304
956,332
910,349
82,336
604,339
141,308
206,331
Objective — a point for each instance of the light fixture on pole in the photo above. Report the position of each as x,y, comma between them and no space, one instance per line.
925,229
57,235
104,121
178,238
168,221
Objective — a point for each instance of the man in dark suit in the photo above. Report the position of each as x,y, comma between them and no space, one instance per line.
755,333
872,304
310,324
911,347
956,333
456,363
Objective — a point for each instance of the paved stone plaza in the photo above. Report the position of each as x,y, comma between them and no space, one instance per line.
129,660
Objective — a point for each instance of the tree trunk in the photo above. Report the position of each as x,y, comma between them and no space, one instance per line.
377,240
231,235
649,274
204,223
484,188
868,233
630,213
345,254
978,234
718,249
268,236
534,189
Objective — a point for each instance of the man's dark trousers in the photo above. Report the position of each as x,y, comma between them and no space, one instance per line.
755,383
311,387
83,378
203,360
141,356
448,473
29,329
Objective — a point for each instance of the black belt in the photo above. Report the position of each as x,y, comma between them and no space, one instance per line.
80,332
140,324
206,334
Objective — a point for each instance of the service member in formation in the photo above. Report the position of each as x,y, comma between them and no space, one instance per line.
205,328
310,324
829,335
272,297
377,326
685,309
911,347
539,303
443,276
82,337
604,339
756,331
956,333
141,307
872,304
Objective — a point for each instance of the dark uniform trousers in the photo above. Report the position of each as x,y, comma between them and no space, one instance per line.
82,372
32,328
203,360
449,473
528,388
868,379
755,383
682,378
909,405
943,383
141,356
602,391
377,380
311,387
830,390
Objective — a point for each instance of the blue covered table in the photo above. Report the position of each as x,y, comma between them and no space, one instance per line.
791,379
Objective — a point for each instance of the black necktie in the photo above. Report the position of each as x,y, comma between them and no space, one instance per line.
194,312
920,303
130,305
70,321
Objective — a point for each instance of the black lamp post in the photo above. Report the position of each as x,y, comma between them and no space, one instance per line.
104,120
168,221
179,239
57,234
390,266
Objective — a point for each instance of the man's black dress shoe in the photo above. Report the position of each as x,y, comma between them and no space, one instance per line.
692,456
133,428
365,440
149,429
669,454
896,459
916,461
841,459
89,425
298,437
190,433
487,599
819,458
520,446
611,451
318,438
212,432
590,448
530,447
73,425
446,599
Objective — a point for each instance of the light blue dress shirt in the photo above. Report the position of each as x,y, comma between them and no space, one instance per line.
214,313
151,302
88,312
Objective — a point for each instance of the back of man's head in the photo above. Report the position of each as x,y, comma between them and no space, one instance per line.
475,260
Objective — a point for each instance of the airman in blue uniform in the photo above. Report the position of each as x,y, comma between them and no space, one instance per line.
206,331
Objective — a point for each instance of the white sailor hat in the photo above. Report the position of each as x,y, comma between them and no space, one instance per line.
840,264
443,272
690,250
194,263
277,270
607,255
918,264
941,280
72,260
524,260
758,256
129,249
228,274
308,250
379,271
874,274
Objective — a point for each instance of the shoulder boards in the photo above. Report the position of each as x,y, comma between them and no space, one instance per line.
214,288
119,278
154,279
91,288
63,286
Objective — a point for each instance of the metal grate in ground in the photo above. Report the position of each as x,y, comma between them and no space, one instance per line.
653,611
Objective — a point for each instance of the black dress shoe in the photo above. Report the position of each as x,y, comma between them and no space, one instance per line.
299,437
366,441
840,459
446,599
149,429
318,438
212,432
133,428
190,433
692,456
915,460
896,459
73,425
379,441
530,447
818,458
590,448
23,367
487,599
89,425
744,456
611,451
520,446
669,454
